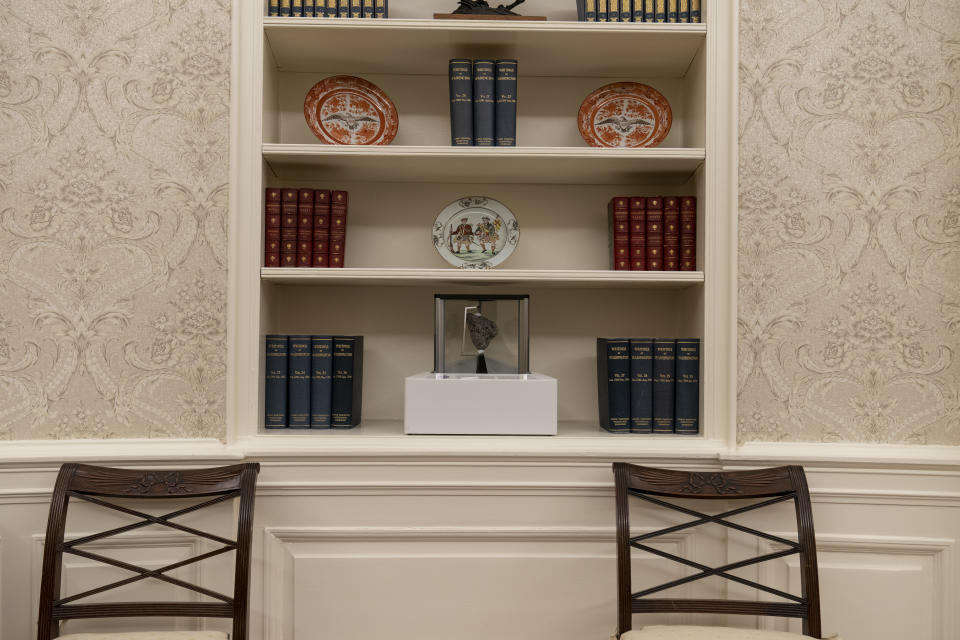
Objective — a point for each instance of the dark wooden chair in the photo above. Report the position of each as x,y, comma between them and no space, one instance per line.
762,488
103,486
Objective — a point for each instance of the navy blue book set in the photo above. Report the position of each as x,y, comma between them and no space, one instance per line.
656,11
328,8
483,103
313,382
649,385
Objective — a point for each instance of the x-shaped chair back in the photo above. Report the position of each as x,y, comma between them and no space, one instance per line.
769,486
98,485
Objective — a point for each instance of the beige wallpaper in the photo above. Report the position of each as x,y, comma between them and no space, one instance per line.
849,314
113,201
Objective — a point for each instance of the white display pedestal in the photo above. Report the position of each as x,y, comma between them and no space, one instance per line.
473,404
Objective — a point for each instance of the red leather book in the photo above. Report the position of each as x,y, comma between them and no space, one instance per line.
338,228
288,228
321,227
688,233
638,234
671,233
271,228
619,214
654,234
305,228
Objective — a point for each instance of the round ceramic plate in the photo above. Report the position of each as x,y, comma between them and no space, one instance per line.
350,110
476,233
625,114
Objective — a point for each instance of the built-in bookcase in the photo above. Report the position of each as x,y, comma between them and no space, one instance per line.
556,185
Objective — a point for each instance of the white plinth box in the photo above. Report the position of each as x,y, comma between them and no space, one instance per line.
470,404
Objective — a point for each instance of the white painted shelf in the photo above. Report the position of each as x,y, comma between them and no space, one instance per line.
423,47
483,165
430,277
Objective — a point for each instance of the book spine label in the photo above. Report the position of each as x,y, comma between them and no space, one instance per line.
305,228
654,234
613,10
369,10
649,10
590,11
461,102
638,234
356,9
271,227
275,383
381,8
664,380
506,112
660,11
321,381
672,10
688,233
273,9
695,11
345,400
484,107
602,13
683,14
285,8
613,384
626,11
671,234
619,213
298,383
296,8
641,386
638,12
687,412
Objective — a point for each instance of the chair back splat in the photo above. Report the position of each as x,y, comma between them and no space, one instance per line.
100,486
763,487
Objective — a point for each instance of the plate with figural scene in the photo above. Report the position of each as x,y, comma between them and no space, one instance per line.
625,114
350,110
476,233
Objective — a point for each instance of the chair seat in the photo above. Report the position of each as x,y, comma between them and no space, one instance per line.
149,635
709,633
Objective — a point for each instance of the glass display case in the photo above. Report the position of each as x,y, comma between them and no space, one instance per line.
482,334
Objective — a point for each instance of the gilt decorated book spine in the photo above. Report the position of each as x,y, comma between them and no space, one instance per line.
638,11
671,233
305,228
660,11
321,381
346,397
296,8
649,10
626,11
641,385
687,412
381,8
684,11
288,228
613,10
613,384
506,107
298,383
286,8
338,228
590,11
619,214
356,8
461,102
369,9
664,384
271,228
273,9
673,10
484,107
321,227
654,234
695,11
275,383
602,6
638,234
688,233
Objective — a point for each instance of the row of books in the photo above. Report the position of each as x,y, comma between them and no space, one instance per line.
662,11
649,385
483,103
653,234
305,227
329,8
313,382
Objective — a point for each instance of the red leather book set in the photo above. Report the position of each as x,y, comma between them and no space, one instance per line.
305,228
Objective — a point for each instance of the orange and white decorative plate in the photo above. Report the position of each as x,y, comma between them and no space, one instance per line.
625,114
350,110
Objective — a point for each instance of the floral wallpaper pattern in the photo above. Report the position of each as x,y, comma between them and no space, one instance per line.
114,119
849,311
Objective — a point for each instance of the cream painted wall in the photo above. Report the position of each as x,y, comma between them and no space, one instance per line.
113,183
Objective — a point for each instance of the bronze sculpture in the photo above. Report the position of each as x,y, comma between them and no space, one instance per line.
480,7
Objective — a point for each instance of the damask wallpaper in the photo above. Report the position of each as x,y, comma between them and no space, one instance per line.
849,318
113,200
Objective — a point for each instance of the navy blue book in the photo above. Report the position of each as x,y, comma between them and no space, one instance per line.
296,8
660,13
602,15
461,102
274,8
581,10
649,10
381,8
638,14
369,11
672,10
506,113
285,8
694,10
484,87
590,11
321,381
613,10
684,14
298,383
626,10
687,412
346,395
343,8
275,383
613,384
641,385
356,9
664,384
